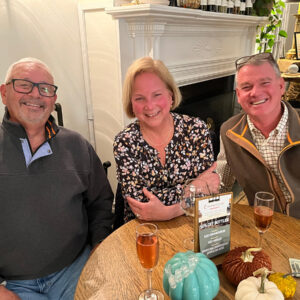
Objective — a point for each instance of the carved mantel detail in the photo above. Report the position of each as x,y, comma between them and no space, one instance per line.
195,45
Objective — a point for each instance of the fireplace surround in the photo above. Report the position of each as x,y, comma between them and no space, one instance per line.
213,101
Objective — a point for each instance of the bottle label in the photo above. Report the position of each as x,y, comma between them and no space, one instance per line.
224,3
243,6
230,4
237,3
218,2
203,2
211,2
248,3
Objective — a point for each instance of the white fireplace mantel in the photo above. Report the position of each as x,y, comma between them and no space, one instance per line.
195,46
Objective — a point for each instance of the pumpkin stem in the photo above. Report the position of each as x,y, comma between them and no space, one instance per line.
264,273
262,284
247,256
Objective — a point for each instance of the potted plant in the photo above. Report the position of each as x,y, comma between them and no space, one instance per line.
265,39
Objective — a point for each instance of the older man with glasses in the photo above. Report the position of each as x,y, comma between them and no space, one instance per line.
260,147
55,199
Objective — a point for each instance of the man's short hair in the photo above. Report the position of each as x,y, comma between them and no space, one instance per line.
257,60
148,65
25,60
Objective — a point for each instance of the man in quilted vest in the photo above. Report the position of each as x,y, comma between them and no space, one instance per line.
260,147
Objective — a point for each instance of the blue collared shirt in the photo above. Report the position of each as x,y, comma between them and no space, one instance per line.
43,150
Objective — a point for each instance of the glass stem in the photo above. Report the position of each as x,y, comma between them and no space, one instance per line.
260,239
149,290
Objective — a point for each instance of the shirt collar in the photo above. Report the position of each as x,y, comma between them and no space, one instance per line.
280,126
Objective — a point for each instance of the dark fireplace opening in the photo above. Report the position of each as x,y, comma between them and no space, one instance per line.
213,101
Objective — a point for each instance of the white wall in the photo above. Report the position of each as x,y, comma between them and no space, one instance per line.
103,76
292,11
48,30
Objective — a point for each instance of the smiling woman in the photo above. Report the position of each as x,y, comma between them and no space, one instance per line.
158,152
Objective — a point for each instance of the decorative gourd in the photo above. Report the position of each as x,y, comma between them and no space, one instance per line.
191,276
287,284
261,288
241,262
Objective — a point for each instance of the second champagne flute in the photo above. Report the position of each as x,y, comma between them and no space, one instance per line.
263,212
147,250
187,202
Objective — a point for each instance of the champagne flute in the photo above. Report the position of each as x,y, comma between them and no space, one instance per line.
147,251
187,203
263,212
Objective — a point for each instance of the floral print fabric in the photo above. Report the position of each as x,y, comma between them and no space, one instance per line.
188,154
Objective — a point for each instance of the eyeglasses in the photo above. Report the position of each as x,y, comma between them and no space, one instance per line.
26,86
266,56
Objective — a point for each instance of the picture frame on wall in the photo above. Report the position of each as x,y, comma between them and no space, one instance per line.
297,44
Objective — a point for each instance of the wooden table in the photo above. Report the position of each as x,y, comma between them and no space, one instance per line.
113,272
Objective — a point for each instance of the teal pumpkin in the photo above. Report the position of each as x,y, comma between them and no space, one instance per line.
191,276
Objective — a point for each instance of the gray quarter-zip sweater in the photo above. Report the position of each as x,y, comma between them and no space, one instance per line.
52,208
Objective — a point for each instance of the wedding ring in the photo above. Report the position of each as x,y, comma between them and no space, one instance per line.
137,215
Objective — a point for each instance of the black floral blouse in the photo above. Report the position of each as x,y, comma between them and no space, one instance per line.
188,154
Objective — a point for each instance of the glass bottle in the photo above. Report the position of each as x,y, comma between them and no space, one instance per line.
224,5
249,6
243,7
172,2
230,7
218,5
237,5
203,5
211,5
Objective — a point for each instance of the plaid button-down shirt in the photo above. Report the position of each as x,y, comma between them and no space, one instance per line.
269,148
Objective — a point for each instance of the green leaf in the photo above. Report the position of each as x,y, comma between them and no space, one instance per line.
270,43
281,3
266,38
283,33
262,37
271,29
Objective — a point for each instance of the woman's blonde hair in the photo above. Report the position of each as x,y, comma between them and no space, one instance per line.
148,65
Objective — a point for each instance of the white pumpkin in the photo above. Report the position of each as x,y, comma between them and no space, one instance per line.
248,289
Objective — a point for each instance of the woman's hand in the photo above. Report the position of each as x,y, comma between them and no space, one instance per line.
208,181
154,209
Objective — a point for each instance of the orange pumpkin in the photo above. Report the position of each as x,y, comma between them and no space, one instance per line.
241,262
